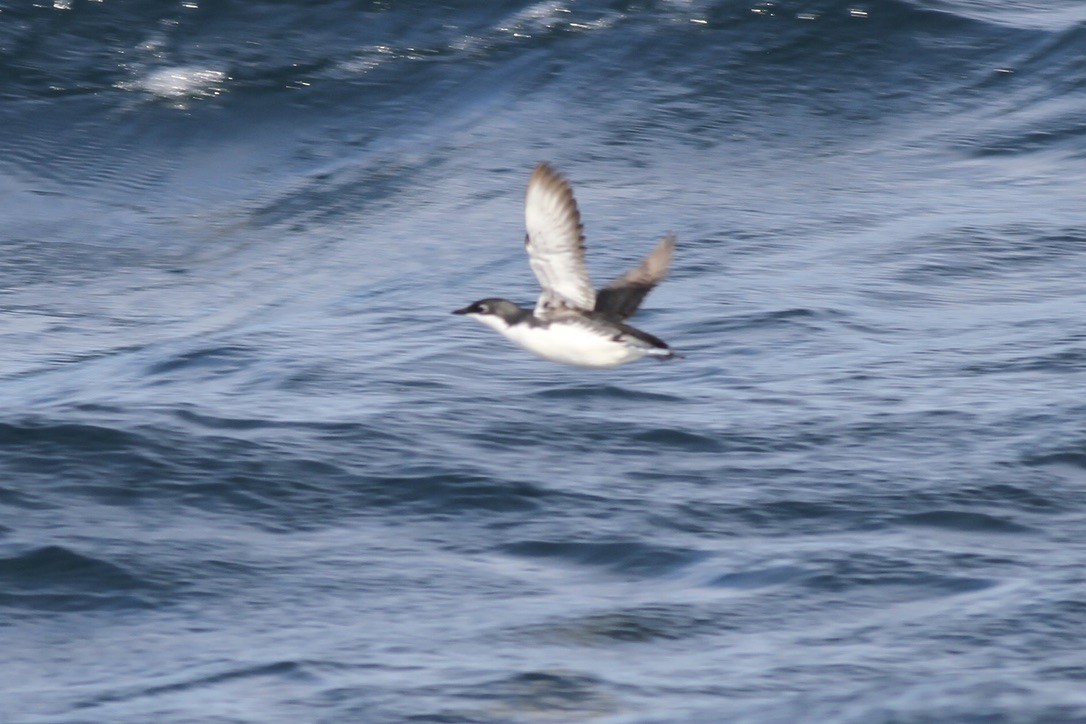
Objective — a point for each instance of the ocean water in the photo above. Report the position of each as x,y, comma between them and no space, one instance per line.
252,470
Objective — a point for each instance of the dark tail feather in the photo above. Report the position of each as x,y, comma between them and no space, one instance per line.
669,355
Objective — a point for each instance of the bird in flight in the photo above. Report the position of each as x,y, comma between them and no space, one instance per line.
572,323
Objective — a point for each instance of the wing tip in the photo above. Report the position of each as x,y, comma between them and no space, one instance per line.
657,263
666,249
547,181
547,176
544,170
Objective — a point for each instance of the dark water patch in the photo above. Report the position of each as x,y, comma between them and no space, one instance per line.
216,422
1053,623
882,578
871,695
590,434
1063,361
330,431
964,521
55,578
451,493
643,624
662,439
331,195
643,440
1074,458
1055,54
852,501
1076,674
708,505
116,464
121,467
279,671
782,513
1041,93
760,577
20,499
530,695
296,493
624,558
771,517
279,436
901,587
1061,133
1032,496
604,392
821,60
929,427
73,436
795,318
275,474
219,360
271,491
507,435
978,252
56,565
30,603
801,436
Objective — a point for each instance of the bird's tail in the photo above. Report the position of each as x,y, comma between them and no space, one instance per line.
664,354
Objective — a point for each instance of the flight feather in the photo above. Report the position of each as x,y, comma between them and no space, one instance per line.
555,243
621,298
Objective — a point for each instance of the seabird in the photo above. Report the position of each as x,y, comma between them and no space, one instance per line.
572,323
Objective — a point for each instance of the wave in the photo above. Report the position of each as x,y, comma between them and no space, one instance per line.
57,578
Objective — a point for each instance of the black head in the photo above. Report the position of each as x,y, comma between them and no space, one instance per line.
493,306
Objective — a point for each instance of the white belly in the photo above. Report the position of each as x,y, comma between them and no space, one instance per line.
570,344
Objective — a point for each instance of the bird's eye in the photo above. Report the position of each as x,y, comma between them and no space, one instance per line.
484,309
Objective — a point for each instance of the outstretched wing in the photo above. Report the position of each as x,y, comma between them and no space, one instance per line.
555,243
621,298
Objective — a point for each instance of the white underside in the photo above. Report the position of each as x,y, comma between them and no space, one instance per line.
568,344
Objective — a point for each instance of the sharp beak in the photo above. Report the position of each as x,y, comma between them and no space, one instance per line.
461,311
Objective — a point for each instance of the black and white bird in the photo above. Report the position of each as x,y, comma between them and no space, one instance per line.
572,323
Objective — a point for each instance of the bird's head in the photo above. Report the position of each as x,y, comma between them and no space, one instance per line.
494,312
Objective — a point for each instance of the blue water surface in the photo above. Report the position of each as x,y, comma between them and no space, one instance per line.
252,470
